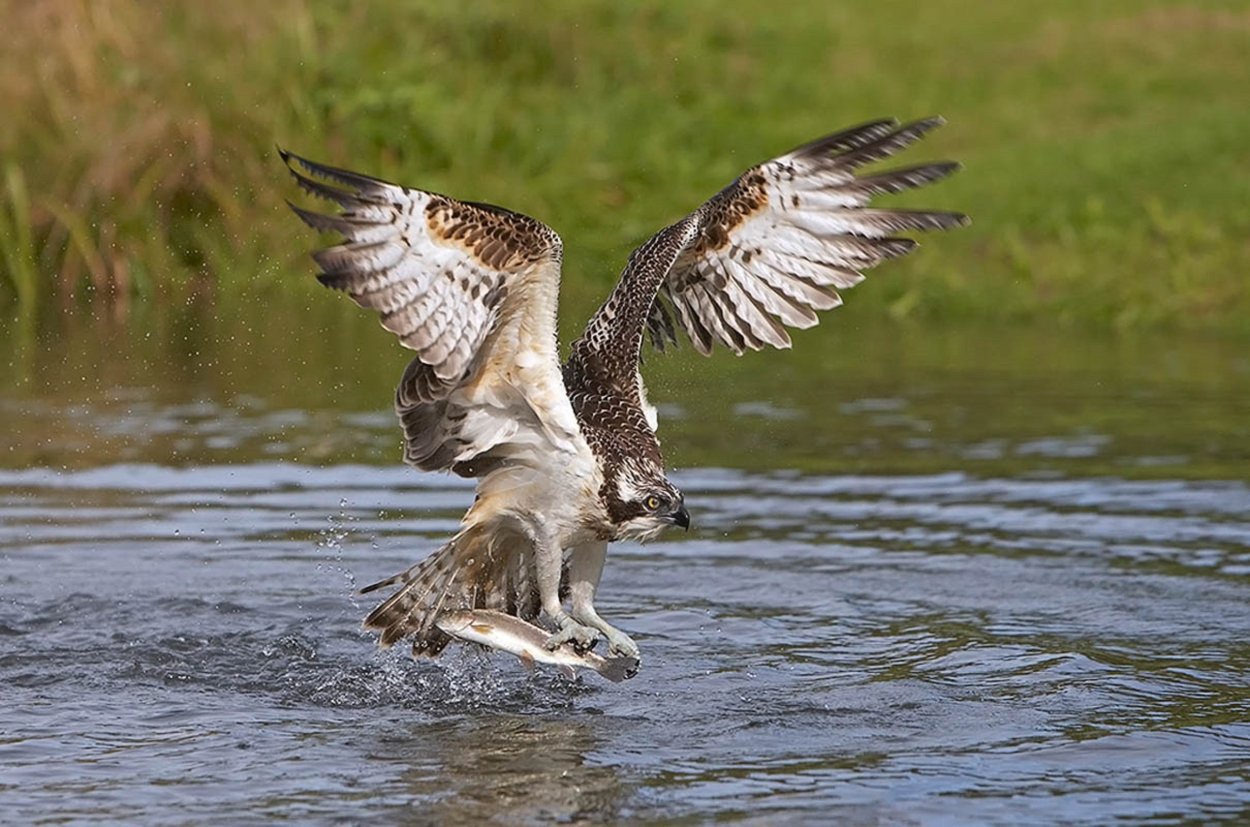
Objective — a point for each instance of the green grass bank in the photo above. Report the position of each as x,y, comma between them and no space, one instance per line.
1107,165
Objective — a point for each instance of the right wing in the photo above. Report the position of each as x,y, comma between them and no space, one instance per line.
473,289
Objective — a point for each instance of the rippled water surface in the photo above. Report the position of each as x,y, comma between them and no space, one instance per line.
934,579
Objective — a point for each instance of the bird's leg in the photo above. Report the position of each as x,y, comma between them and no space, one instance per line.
585,568
548,560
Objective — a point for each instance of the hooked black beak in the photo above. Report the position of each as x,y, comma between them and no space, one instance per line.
681,517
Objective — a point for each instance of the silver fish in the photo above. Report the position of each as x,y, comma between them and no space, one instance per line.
525,640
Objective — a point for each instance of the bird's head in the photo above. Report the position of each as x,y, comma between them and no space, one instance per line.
641,502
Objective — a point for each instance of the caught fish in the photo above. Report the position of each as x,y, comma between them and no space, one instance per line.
525,640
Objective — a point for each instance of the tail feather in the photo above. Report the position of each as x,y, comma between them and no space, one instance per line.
402,577
475,570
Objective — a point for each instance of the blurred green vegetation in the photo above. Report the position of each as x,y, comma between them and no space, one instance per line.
1108,171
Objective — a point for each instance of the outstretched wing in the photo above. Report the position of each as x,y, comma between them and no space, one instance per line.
775,246
768,251
472,288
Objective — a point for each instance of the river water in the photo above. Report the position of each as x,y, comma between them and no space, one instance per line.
936,576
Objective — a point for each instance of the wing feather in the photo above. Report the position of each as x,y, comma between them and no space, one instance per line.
765,329
708,312
793,231
730,322
692,321
471,288
768,308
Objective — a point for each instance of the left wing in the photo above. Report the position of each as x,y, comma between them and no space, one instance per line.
776,244
767,252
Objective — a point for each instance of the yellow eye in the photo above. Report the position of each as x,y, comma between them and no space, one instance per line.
652,503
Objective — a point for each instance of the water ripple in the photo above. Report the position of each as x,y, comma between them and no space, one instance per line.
873,648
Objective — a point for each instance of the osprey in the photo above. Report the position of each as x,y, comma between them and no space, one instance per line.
565,456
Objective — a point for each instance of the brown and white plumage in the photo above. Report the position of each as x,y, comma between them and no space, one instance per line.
774,247
566,457
473,290
470,287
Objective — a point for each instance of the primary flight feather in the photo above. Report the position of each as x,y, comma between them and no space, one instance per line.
565,456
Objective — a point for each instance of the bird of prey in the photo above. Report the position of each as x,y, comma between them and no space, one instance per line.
565,455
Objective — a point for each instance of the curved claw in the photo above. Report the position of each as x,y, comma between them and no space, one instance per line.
621,645
583,638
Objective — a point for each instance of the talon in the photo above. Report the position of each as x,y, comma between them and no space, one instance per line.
621,645
582,638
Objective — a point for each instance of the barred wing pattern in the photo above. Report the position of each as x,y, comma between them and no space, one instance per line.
441,273
775,246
